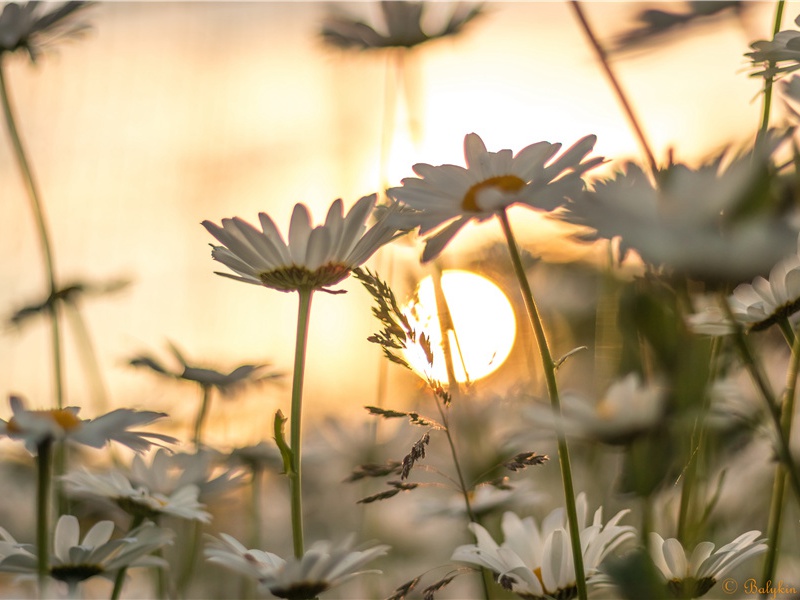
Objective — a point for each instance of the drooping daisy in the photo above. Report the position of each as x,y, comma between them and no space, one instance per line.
402,23
34,427
32,25
314,257
322,567
447,197
536,562
137,500
764,301
693,575
74,560
779,55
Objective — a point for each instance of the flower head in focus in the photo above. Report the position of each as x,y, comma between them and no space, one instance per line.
314,258
447,197
715,223
227,384
35,427
33,25
322,567
693,575
536,562
403,26
74,560
137,500
777,56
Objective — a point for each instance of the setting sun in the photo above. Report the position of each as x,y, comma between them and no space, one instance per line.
483,326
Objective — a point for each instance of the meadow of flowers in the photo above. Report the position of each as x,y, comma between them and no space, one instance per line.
644,451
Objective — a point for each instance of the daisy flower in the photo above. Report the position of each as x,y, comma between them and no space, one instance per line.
137,500
74,560
403,26
693,575
765,301
33,25
314,258
322,567
34,427
782,51
447,197
536,562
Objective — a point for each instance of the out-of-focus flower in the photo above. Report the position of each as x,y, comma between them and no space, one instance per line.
33,25
447,197
35,427
710,321
169,472
315,258
226,383
692,576
655,25
485,499
764,301
536,563
137,500
403,26
628,409
74,560
779,55
322,567
258,456
710,223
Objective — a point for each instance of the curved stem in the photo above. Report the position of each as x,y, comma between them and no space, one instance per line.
44,236
621,97
201,416
44,454
303,312
552,391
769,79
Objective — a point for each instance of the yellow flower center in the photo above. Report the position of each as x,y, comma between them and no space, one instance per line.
65,419
504,183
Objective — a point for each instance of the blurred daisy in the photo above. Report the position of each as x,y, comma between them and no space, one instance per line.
402,25
33,25
627,410
137,500
322,567
34,427
447,197
692,576
781,54
74,560
709,321
168,472
314,258
536,563
485,499
707,222
764,301
226,383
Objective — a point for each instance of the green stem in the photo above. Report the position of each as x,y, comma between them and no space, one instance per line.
41,223
552,390
44,455
119,580
201,416
303,313
748,358
621,97
768,80
779,484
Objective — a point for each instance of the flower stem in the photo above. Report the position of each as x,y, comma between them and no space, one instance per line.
303,312
201,416
552,390
779,484
621,97
748,358
119,580
44,236
44,455
769,79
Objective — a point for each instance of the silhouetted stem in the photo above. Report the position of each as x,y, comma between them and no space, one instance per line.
770,78
119,580
552,391
202,413
44,454
44,237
